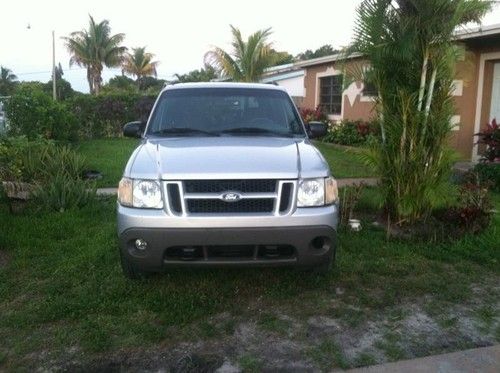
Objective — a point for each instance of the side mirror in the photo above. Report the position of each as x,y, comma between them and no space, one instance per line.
133,129
317,129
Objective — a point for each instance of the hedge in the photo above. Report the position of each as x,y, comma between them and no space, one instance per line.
105,115
33,113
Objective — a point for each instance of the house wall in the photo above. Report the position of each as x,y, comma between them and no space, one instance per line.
462,136
355,106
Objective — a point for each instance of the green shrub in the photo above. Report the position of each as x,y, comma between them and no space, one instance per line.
33,113
350,132
62,193
55,172
105,115
489,172
35,161
61,160
20,158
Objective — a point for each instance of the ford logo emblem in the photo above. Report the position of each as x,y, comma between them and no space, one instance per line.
231,197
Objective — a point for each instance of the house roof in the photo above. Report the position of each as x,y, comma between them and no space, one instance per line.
327,59
477,32
462,35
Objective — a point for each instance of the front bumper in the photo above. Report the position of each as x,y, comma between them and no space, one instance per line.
283,246
304,238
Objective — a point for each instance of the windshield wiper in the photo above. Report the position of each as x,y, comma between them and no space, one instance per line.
182,131
252,130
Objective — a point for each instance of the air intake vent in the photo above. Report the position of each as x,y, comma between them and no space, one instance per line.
174,196
286,196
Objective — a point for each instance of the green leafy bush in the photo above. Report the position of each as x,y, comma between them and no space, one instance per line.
33,113
62,193
489,172
54,172
35,161
473,208
105,115
351,132
21,158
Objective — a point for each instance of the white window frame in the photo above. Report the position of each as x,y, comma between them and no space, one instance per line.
331,71
479,98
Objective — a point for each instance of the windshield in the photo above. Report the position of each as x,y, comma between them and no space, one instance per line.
225,112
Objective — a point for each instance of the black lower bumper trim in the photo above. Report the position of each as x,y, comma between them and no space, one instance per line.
306,246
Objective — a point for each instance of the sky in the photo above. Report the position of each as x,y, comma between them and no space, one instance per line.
178,32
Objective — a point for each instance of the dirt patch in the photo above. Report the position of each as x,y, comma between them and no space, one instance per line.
4,258
309,337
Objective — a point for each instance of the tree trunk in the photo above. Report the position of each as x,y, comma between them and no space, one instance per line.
97,81
423,81
430,93
89,80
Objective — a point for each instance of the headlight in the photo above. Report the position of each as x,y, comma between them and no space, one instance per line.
317,192
140,194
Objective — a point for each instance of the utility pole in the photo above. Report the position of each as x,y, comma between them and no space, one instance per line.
54,92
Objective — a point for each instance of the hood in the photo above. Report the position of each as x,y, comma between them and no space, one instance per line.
231,157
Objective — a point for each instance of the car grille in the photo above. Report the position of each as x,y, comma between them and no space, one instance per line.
220,186
215,206
254,196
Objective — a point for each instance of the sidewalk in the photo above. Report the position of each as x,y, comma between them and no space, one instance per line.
479,360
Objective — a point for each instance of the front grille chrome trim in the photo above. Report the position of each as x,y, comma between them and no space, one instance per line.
276,196
220,195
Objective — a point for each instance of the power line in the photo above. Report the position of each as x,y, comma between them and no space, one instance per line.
48,72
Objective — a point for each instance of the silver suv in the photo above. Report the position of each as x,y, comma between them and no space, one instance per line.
226,176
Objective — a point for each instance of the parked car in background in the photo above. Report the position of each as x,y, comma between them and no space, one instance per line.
226,176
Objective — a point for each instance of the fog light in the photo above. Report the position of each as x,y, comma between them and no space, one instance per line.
140,244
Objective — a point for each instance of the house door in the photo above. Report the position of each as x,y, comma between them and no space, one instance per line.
495,94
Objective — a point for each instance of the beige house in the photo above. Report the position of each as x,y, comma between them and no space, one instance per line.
476,88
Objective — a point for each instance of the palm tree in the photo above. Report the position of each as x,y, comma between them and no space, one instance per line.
139,64
247,60
7,81
409,45
95,48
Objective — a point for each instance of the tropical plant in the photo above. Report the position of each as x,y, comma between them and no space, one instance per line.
247,60
8,81
95,48
349,132
489,173
119,84
139,64
313,115
322,51
409,45
205,74
63,89
490,137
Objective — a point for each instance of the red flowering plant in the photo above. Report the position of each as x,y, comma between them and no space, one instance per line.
313,115
491,138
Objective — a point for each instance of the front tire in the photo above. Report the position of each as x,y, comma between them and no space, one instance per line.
328,265
130,271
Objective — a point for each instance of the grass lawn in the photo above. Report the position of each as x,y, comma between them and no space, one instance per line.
109,156
344,163
64,301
